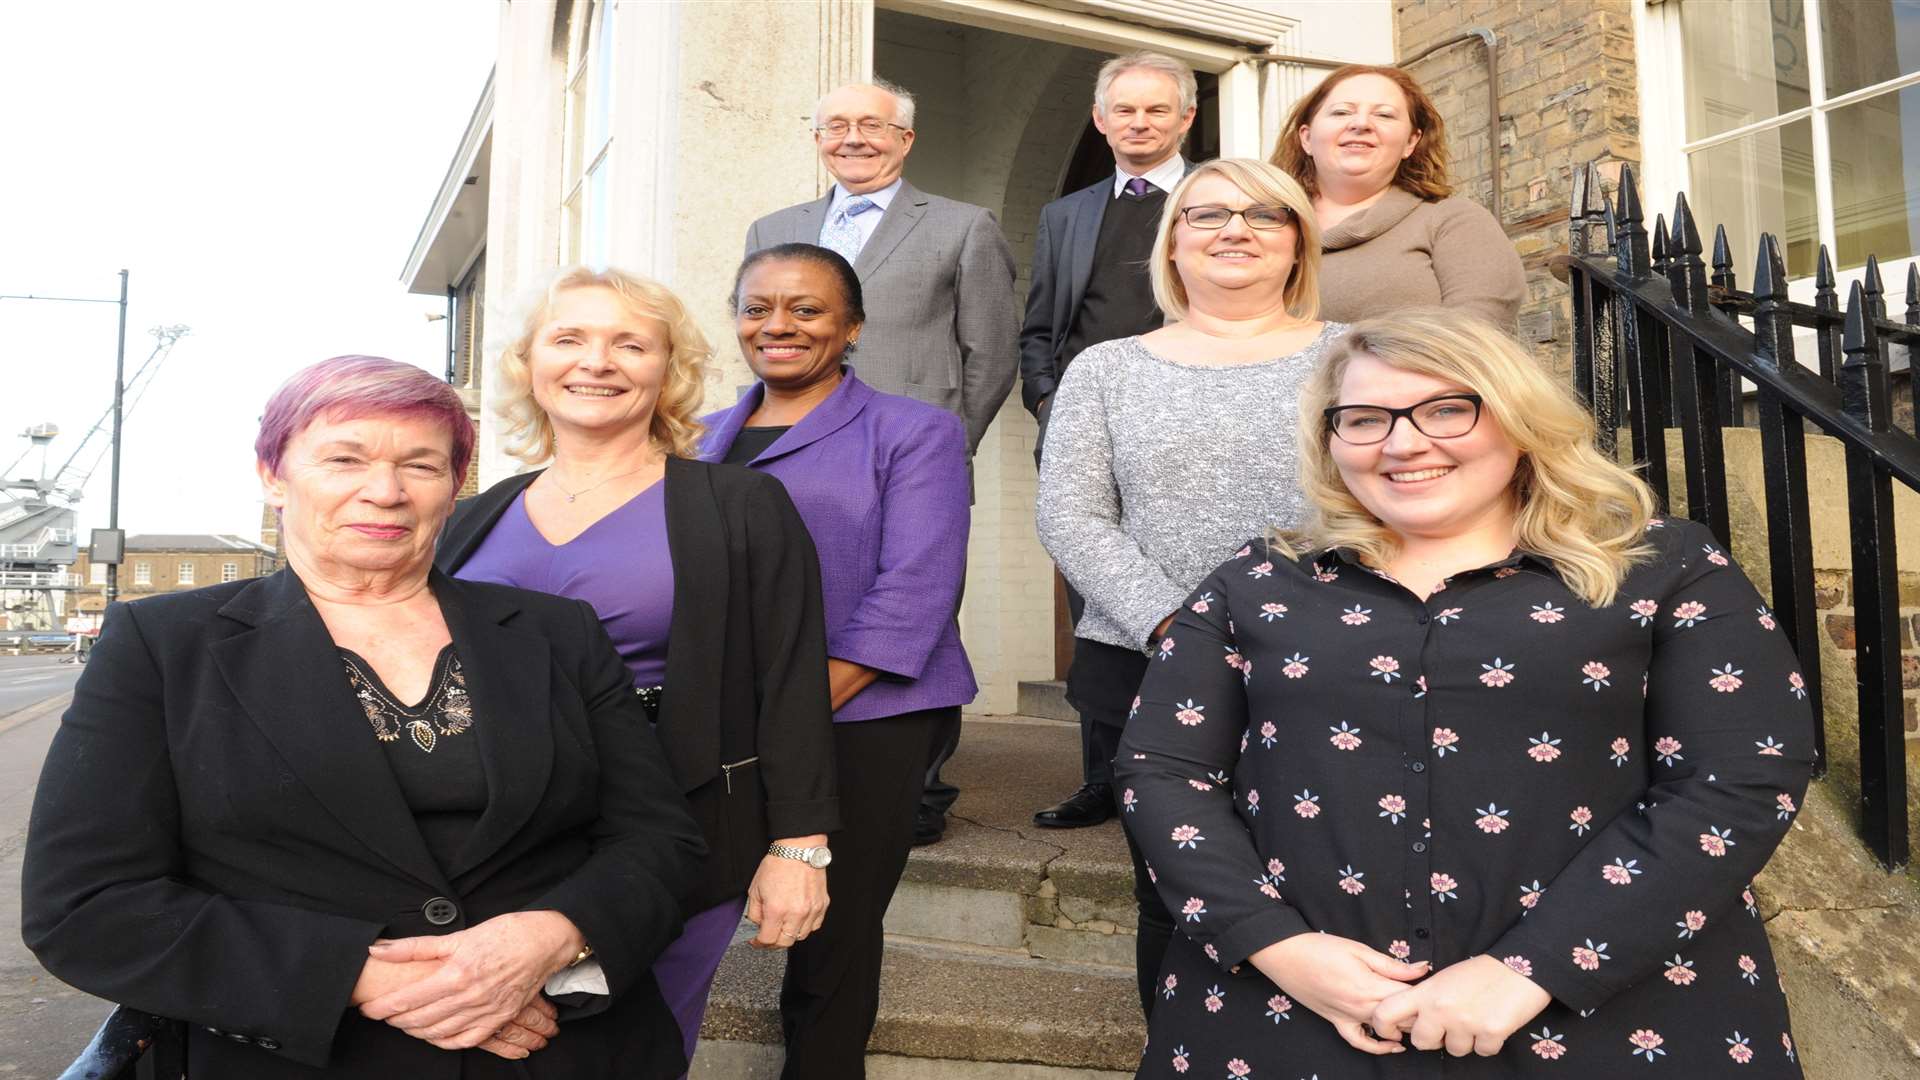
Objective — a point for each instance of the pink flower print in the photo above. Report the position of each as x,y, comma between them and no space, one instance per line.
1344,737
1492,820
1520,964
1504,572
1270,612
1449,615
1749,970
1189,714
1595,674
1213,954
1357,616
1296,666
1199,785
1216,998
1680,972
1690,924
1393,808
1496,674
1166,647
1385,667
1128,801
1194,908
1133,708
1656,523
1582,820
1715,841
1770,748
1714,555
1530,894
1746,897
1237,1069
1187,836
1278,869
1688,613
1203,604
1268,734
1785,802
1307,805
1253,801
1726,679
1738,1050
1244,551
1619,747
1547,613
1445,740
1621,872
1587,957
1644,611
1766,618
1786,1043
1648,1041
1234,660
1152,874
1167,988
1443,886
1350,882
1179,1059
1261,570
1546,748
1399,950
1797,685
1548,1045
1279,1007
1667,749
1420,686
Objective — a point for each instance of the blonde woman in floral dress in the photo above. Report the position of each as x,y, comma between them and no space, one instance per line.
1512,746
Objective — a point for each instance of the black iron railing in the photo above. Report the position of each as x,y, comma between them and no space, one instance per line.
1660,343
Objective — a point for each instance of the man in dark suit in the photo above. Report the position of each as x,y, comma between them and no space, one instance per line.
1090,285
942,321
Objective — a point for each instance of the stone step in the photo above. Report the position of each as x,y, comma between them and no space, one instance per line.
1047,700
946,1013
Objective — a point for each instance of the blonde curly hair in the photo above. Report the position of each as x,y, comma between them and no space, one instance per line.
1575,507
676,427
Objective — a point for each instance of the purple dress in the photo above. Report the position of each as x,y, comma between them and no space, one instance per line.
622,566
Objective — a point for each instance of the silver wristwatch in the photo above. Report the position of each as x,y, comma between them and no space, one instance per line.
816,857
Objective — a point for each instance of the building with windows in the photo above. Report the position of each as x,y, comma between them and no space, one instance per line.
649,135
170,562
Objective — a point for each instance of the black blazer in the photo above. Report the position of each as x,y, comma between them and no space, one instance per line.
746,717
217,836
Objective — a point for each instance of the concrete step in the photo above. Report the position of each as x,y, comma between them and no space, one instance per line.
1047,701
946,1013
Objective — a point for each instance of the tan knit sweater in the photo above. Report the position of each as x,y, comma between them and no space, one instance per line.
1402,252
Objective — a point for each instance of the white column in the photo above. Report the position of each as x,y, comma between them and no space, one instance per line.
1240,111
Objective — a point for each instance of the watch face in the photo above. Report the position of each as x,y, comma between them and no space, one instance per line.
819,857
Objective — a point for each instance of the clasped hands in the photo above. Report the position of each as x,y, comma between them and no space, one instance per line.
475,988
1373,1000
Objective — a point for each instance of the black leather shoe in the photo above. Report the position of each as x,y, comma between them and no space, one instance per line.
928,826
1091,805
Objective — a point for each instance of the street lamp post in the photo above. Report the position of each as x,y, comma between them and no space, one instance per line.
119,387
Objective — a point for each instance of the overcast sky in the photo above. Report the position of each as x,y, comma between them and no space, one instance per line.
262,169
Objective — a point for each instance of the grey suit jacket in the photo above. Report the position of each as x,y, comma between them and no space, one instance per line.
942,321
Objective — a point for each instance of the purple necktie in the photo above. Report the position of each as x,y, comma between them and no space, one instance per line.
1138,186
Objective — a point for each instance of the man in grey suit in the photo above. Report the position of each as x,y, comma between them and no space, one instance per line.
942,320
1090,285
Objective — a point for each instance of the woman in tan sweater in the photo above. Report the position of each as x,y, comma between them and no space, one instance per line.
1370,149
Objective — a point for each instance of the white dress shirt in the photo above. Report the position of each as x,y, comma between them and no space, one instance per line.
1165,176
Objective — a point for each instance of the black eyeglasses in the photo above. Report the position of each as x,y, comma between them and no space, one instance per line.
869,128
1448,416
1256,217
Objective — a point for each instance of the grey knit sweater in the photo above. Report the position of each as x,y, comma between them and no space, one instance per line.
1155,472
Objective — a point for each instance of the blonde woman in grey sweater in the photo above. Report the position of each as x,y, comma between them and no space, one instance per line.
1166,451
1370,149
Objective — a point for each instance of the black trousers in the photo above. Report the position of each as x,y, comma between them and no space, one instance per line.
831,993
1101,684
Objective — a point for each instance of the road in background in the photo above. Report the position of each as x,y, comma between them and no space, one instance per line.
25,680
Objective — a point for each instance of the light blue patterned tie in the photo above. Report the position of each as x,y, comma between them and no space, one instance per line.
841,234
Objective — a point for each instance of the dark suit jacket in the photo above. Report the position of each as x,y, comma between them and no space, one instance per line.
217,836
941,313
746,682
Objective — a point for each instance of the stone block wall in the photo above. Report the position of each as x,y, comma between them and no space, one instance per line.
1568,95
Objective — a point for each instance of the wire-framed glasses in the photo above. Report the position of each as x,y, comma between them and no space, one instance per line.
1256,217
1448,416
869,128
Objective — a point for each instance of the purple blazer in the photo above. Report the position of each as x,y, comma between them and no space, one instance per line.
881,481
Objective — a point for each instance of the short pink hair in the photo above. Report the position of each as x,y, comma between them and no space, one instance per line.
357,387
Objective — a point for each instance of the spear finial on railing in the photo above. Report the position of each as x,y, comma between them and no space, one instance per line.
1875,288
1863,377
1684,268
1772,322
1630,239
1913,294
1661,254
1823,294
1722,259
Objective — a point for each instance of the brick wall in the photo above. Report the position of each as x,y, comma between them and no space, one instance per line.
1567,96
1833,597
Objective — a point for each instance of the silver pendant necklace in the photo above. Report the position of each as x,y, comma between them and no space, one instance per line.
572,495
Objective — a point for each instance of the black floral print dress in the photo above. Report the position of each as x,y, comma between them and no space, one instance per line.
1584,793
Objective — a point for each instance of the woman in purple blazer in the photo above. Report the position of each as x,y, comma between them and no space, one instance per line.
881,482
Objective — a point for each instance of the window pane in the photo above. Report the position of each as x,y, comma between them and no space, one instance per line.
1759,183
1875,147
600,105
599,195
1868,41
1745,62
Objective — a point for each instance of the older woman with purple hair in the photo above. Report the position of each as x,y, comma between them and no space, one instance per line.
357,818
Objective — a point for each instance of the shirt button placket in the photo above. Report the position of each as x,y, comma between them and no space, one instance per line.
1418,853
